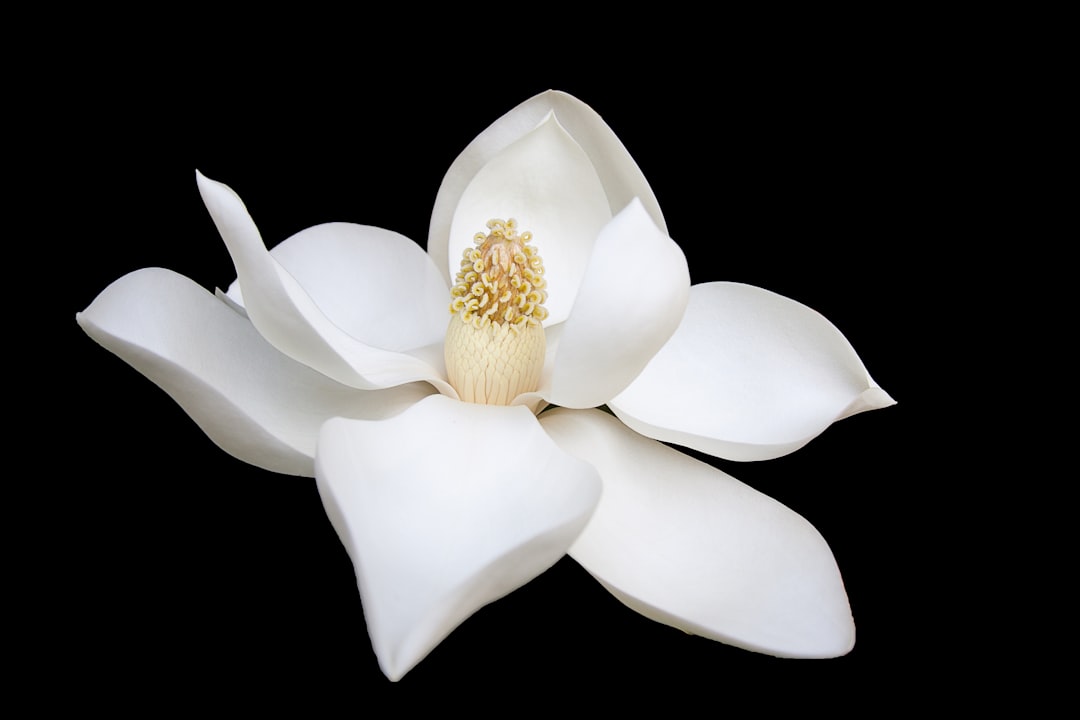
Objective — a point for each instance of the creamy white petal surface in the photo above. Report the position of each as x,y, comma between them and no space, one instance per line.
287,316
618,174
694,548
443,509
748,375
544,181
255,403
376,285
631,300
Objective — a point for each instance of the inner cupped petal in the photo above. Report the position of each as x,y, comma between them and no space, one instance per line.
287,316
548,184
376,285
631,300
619,174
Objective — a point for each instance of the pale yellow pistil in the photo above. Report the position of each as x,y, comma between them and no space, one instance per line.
495,342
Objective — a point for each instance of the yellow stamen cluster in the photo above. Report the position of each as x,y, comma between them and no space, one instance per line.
501,280
495,343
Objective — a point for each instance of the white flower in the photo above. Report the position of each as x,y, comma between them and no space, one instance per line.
326,358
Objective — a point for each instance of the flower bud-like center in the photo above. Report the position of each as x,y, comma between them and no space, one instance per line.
495,342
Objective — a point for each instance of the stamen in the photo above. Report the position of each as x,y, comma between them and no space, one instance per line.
495,344
503,265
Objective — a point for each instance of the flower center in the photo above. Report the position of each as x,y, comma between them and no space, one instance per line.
495,342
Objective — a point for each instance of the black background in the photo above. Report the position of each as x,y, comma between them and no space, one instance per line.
184,572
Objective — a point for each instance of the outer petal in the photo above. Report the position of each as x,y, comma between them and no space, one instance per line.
692,547
376,285
631,300
487,504
618,173
748,375
546,182
254,402
288,317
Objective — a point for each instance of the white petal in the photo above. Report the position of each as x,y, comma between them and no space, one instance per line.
694,548
618,173
232,298
287,316
545,181
254,402
376,285
444,509
631,300
748,375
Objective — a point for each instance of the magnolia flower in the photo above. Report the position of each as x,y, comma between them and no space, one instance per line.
451,403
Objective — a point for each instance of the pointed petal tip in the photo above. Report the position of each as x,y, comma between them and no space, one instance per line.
393,671
878,398
82,320
637,209
206,183
217,196
873,398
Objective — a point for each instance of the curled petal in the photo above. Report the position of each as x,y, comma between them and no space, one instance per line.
631,300
488,504
255,403
692,547
748,375
377,285
546,182
290,320
619,175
